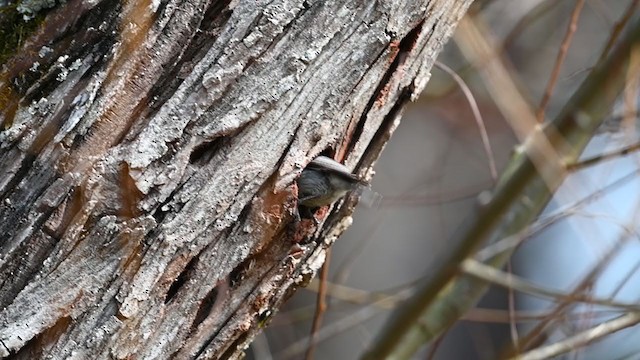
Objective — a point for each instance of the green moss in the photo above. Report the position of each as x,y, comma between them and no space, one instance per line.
29,8
15,30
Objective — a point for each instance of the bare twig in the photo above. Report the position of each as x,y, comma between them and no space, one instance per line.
564,48
623,282
475,40
390,298
476,114
413,199
294,350
525,188
387,299
513,328
495,276
513,241
342,271
534,14
337,327
602,10
583,338
630,95
321,307
603,157
617,28
498,316
435,346
260,347
587,282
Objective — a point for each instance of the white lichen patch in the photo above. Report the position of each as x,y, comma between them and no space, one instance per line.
29,8
41,107
81,104
44,51
154,5
64,71
75,65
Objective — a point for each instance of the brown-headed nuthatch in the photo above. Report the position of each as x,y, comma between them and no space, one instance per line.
324,181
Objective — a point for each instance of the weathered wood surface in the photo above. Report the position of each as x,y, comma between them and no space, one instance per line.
148,152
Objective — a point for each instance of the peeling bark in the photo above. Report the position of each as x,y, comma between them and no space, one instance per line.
149,150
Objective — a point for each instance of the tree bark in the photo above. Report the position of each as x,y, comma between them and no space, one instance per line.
149,151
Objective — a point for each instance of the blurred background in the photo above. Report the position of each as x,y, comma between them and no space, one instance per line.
430,175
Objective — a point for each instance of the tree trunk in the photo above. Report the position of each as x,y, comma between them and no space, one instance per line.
149,151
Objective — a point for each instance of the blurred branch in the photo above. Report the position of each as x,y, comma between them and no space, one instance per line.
562,54
336,327
534,14
321,306
384,300
513,328
341,325
511,242
630,95
435,345
510,281
260,347
523,191
476,114
604,157
617,28
498,316
537,334
415,199
583,338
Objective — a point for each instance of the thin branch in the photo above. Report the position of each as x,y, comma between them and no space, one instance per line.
476,115
361,245
386,299
321,307
260,347
522,193
630,94
532,15
391,298
513,328
513,241
497,316
295,349
618,27
339,326
413,199
581,339
562,54
534,335
633,271
495,276
435,346
604,157
604,12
